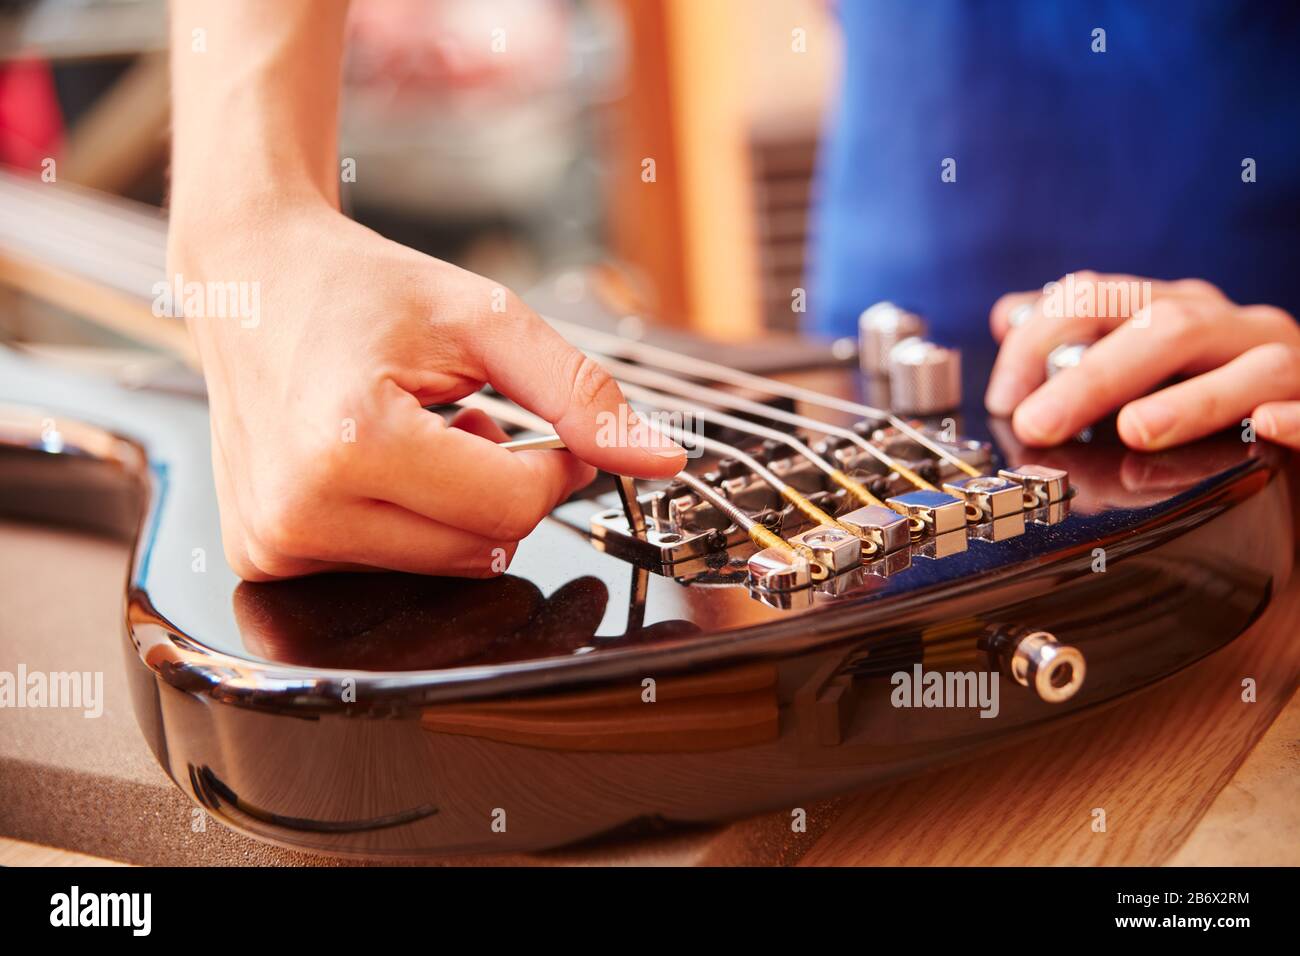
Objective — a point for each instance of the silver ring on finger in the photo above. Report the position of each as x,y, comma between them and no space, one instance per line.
1020,314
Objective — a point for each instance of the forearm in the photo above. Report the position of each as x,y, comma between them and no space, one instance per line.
255,95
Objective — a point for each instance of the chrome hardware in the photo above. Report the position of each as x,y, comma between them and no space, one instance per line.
611,532
999,529
1037,660
883,527
1051,514
880,328
1063,357
942,545
774,570
991,497
1020,315
834,547
937,512
891,563
1042,485
805,499
537,443
632,509
924,378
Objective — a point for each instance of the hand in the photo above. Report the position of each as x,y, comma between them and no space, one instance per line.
1236,362
324,458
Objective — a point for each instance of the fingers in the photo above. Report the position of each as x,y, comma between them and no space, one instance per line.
1021,363
1080,307
1092,292
528,361
461,479
478,422
1263,376
380,535
1013,309
384,535
1074,292
1177,334
359,526
1130,361
1278,422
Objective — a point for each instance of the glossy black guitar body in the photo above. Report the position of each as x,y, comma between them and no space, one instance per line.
396,715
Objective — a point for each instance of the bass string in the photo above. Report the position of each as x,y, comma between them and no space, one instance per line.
801,503
512,414
614,346
671,403
761,535
642,375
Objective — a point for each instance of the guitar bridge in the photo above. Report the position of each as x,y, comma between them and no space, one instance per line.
786,501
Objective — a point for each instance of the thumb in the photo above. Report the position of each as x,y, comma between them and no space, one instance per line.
528,361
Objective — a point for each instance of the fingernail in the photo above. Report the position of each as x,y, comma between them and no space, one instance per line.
1002,395
1152,420
1265,424
643,435
1040,421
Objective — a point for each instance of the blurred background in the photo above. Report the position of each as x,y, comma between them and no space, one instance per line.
529,168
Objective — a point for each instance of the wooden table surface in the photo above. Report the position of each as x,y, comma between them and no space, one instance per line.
1187,773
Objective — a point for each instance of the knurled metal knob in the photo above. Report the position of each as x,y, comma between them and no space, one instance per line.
924,378
880,328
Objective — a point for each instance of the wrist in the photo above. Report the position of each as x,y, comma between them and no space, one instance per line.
235,222
217,200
